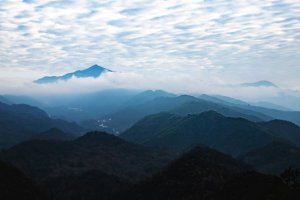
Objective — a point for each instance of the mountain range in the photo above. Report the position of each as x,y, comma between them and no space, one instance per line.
93,71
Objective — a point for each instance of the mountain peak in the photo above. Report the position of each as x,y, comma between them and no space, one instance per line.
262,83
93,71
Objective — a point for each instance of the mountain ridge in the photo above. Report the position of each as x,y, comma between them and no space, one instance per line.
93,71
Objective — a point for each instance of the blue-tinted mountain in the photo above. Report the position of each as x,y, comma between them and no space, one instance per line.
222,99
19,122
284,129
229,135
94,71
4,100
262,83
53,134
261,112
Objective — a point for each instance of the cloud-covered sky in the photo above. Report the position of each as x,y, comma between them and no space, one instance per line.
223,41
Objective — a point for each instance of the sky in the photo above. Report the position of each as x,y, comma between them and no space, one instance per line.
190,45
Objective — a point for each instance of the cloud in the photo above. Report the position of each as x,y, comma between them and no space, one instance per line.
238,40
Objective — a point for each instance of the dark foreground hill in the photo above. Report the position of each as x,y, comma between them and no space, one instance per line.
273,158
204,173
19,122
230,135
198,174
15,185
43,159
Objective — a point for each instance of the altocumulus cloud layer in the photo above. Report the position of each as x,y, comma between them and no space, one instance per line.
192,44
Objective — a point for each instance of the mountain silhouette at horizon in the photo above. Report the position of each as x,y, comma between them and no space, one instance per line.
93,71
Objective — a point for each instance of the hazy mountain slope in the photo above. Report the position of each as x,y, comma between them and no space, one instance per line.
146,96
199,106
20,122
293,116
198,174
43,159
230,135
284,129
274,157
93,71
126,117
4,100
89,106
53,134
15,185
150,126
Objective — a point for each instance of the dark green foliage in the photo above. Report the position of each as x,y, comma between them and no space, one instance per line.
274,157
230,135
15,185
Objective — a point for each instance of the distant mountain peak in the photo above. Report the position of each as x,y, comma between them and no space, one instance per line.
93,71
262,83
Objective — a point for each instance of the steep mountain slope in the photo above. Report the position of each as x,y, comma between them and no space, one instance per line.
230,135
274,157
20,122
15,185
284,129
42,159
198,174
94,71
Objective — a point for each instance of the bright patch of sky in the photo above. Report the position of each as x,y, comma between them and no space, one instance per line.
230,41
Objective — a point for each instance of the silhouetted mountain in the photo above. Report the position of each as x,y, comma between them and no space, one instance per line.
262,83
94,71
198,174
15,185
42,159
230,135
274,157
19,122
53,134
284,129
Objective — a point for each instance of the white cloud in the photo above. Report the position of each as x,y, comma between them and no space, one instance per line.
237,40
